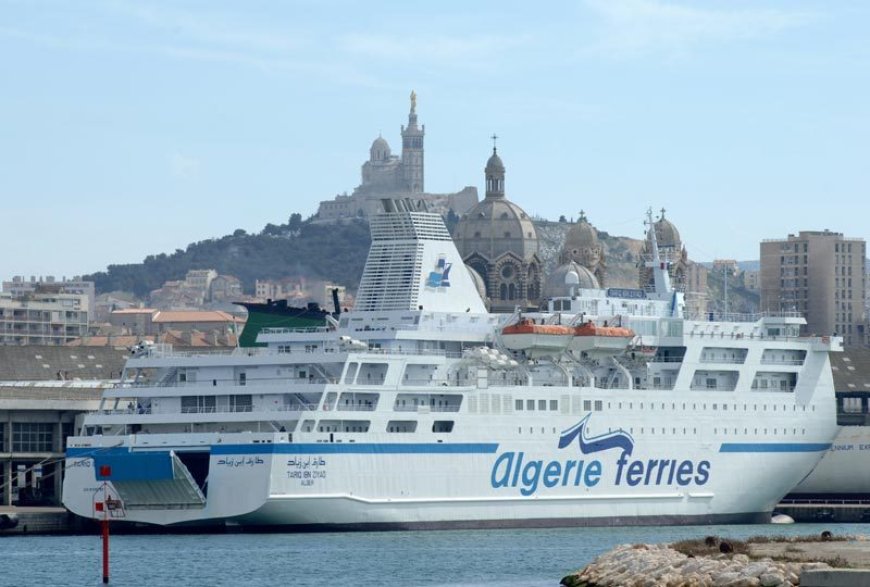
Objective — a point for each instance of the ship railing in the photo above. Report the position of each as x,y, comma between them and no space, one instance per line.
214,410
722,361
412,408
782,361
741,317
229,382
719,335
303,330
823,501
417,352
165,353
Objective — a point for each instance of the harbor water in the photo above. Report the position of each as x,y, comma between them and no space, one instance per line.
467,558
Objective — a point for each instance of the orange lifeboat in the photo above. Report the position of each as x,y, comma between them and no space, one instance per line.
601,340
537,339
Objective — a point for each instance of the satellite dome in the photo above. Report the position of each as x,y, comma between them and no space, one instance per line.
559,284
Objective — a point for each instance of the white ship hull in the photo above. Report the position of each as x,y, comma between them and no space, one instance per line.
410,411
844,467
726,476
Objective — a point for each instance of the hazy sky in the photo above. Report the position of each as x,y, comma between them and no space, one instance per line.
131,128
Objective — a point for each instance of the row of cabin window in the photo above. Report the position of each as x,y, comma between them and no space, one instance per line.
703,406
439,426
530,405
694,432
598,405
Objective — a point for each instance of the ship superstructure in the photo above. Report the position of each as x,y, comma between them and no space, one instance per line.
419,409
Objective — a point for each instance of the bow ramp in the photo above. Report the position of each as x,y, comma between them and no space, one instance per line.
150,480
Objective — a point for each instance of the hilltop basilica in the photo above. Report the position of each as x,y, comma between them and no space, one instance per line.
386,175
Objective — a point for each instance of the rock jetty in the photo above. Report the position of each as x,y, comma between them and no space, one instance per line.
659,565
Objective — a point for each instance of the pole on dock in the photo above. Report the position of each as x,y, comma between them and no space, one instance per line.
105,524
108,507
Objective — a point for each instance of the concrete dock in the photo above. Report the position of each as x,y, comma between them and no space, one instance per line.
38,520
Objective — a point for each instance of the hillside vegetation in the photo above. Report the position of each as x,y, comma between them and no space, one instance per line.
332,252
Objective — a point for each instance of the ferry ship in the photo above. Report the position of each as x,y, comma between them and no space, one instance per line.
419,409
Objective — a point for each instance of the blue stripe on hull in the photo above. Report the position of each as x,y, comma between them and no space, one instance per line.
355,448
774,446
307,448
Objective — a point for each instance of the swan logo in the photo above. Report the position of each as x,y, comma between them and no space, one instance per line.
617,439
440,276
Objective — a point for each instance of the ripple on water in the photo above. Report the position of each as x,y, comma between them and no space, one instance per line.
464,558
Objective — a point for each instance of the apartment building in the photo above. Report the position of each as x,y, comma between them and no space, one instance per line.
820,274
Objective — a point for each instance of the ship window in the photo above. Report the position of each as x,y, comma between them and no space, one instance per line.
542,404
240,403
598,405
530,404
554,405
197,404
587,405
402,426
518,405
442,426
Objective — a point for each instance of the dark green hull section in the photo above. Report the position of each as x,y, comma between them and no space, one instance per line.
278,315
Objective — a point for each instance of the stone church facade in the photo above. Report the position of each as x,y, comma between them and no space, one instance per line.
498,241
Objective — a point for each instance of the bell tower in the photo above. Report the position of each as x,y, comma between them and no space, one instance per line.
412,150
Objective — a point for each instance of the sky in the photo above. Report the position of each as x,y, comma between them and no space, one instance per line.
135,128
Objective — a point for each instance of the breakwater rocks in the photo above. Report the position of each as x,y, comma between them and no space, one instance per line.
659,565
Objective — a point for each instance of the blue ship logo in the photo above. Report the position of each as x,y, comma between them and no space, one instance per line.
440,277
590,444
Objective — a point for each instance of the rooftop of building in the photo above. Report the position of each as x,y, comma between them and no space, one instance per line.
851,370
60,363
166,316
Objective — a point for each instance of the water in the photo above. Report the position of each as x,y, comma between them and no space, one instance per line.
467,558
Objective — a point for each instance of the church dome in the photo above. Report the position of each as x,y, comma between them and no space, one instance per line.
556,287
667,235
380,150
581,236
477,279
496,226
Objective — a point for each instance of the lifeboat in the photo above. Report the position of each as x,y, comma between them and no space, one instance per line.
601,340
537,340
